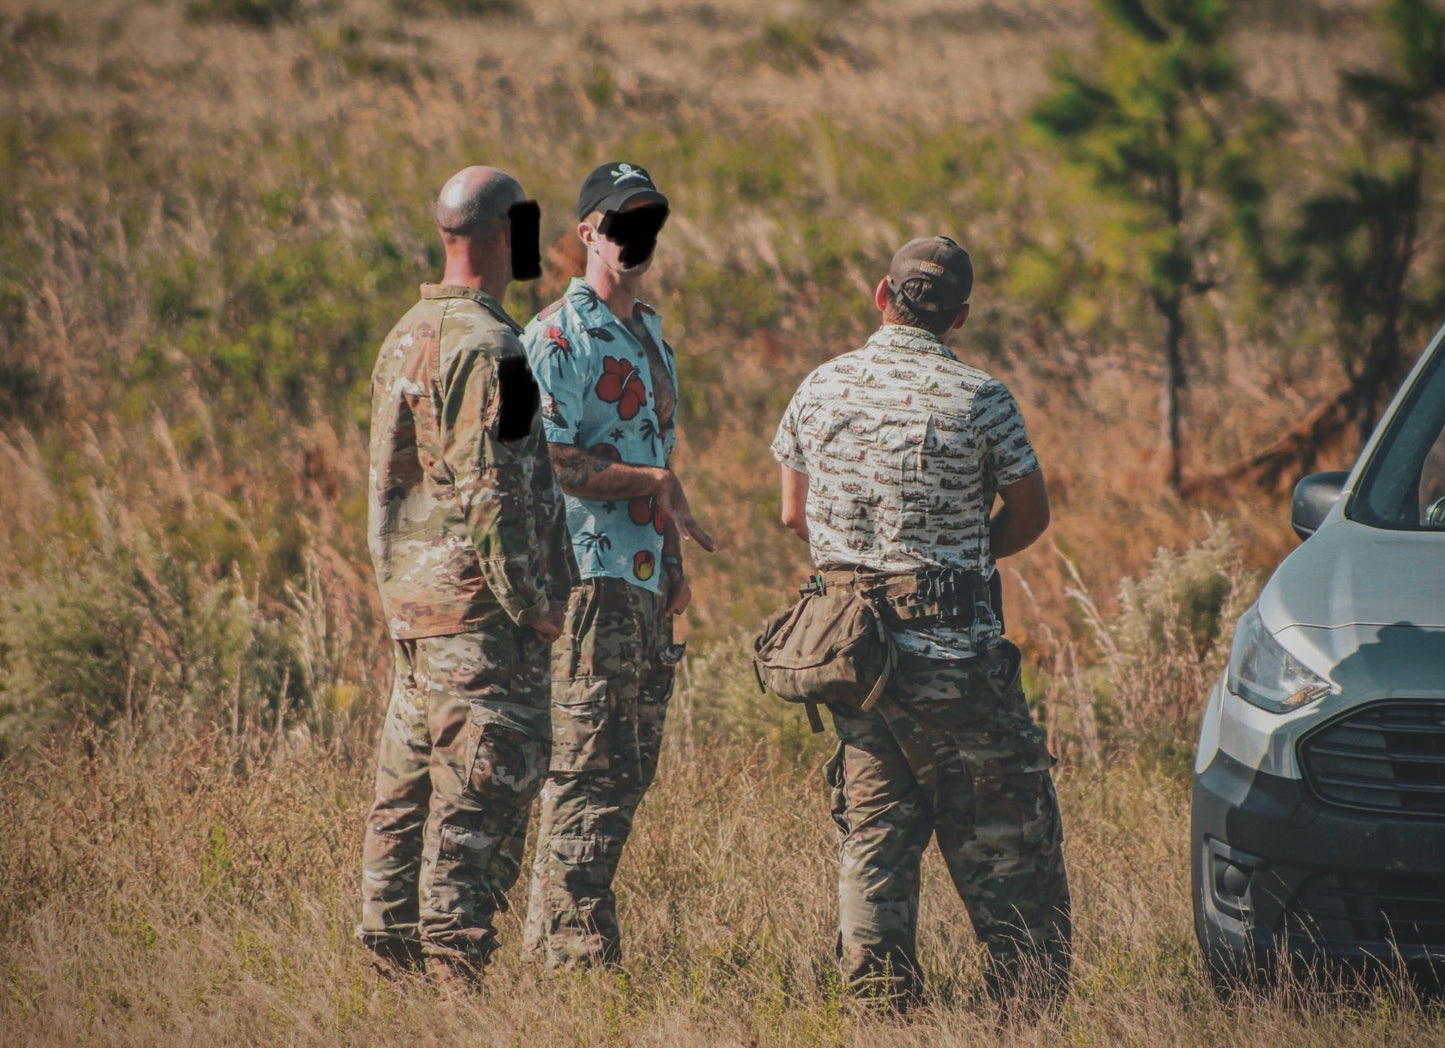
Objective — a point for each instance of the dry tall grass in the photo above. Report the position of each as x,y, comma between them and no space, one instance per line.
205,231
157,895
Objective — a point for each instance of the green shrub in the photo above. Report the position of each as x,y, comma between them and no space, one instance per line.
460,8
260,14
132,639
792,45
71,648
1159,656
36,27
719,699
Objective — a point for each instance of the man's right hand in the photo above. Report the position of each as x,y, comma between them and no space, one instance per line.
549,627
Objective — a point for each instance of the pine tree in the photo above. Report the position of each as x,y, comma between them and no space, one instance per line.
1365,235
1163,126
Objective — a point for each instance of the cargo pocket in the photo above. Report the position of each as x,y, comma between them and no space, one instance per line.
573,851
1003,666
580,725
1014,737
506,765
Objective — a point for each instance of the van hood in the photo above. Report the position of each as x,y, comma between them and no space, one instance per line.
1347,574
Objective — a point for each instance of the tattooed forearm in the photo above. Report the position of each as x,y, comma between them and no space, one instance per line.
576,466
589,475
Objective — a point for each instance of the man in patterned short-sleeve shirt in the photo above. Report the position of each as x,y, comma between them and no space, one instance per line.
609,408
892,456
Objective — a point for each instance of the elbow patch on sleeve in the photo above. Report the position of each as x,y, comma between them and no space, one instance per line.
519,396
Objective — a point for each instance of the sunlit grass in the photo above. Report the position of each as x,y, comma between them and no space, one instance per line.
212,213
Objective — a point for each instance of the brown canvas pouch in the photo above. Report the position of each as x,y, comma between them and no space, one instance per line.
831,646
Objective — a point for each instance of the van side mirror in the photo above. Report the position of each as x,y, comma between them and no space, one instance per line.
1314,497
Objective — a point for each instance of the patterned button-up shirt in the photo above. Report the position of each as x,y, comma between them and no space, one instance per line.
904,448
464,513
597,394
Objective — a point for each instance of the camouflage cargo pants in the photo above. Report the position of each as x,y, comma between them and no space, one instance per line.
462,754
609,700
950,751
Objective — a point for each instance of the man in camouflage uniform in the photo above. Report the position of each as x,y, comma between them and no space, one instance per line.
469,544
891,457
609,405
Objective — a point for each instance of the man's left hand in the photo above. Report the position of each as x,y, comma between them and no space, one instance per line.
679,593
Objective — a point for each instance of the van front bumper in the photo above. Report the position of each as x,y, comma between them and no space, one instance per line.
1275,868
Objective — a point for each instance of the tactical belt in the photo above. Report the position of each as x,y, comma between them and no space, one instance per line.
912,599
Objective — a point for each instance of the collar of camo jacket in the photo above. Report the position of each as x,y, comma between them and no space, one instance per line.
477,295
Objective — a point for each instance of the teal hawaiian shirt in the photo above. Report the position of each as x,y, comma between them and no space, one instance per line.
597,394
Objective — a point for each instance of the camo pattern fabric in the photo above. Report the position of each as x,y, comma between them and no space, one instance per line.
469,543
465,513
905,447
462,755
610,693
951,752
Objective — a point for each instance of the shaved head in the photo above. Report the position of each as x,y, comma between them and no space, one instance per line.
474,202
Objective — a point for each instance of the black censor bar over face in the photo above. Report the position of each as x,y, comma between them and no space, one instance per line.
636,231
526,220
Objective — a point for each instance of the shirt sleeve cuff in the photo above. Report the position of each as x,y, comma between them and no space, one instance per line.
532,612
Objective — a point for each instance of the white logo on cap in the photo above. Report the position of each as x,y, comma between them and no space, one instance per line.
931,268
622,172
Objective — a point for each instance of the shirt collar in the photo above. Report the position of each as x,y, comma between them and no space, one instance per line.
477,295
900,336
589,305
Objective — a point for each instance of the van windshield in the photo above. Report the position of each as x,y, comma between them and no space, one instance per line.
1403,485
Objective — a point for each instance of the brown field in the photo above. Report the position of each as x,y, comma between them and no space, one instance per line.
206,228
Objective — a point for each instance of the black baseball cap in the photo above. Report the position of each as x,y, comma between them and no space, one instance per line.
931,274
615,184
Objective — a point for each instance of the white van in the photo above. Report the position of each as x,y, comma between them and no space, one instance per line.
1318,817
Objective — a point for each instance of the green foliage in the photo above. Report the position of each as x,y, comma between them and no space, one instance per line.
70,647
1161,126
460,8
1146,125
1169,641
792,45
1178,609
600,85
136,640
1362,235
720,699
36,27
258,14
20,388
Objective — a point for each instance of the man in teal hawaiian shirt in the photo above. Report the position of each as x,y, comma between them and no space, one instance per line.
609,408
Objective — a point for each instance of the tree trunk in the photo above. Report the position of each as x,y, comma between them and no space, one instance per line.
1173,385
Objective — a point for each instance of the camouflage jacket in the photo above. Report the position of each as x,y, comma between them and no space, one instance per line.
464,513
905,448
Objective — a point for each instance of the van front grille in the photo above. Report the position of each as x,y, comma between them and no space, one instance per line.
1387,756
1371,913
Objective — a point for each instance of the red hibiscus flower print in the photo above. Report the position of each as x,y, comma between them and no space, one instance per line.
641,511
621,384
554,335
643,565
607,451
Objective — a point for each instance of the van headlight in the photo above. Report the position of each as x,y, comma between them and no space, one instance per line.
1263,674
